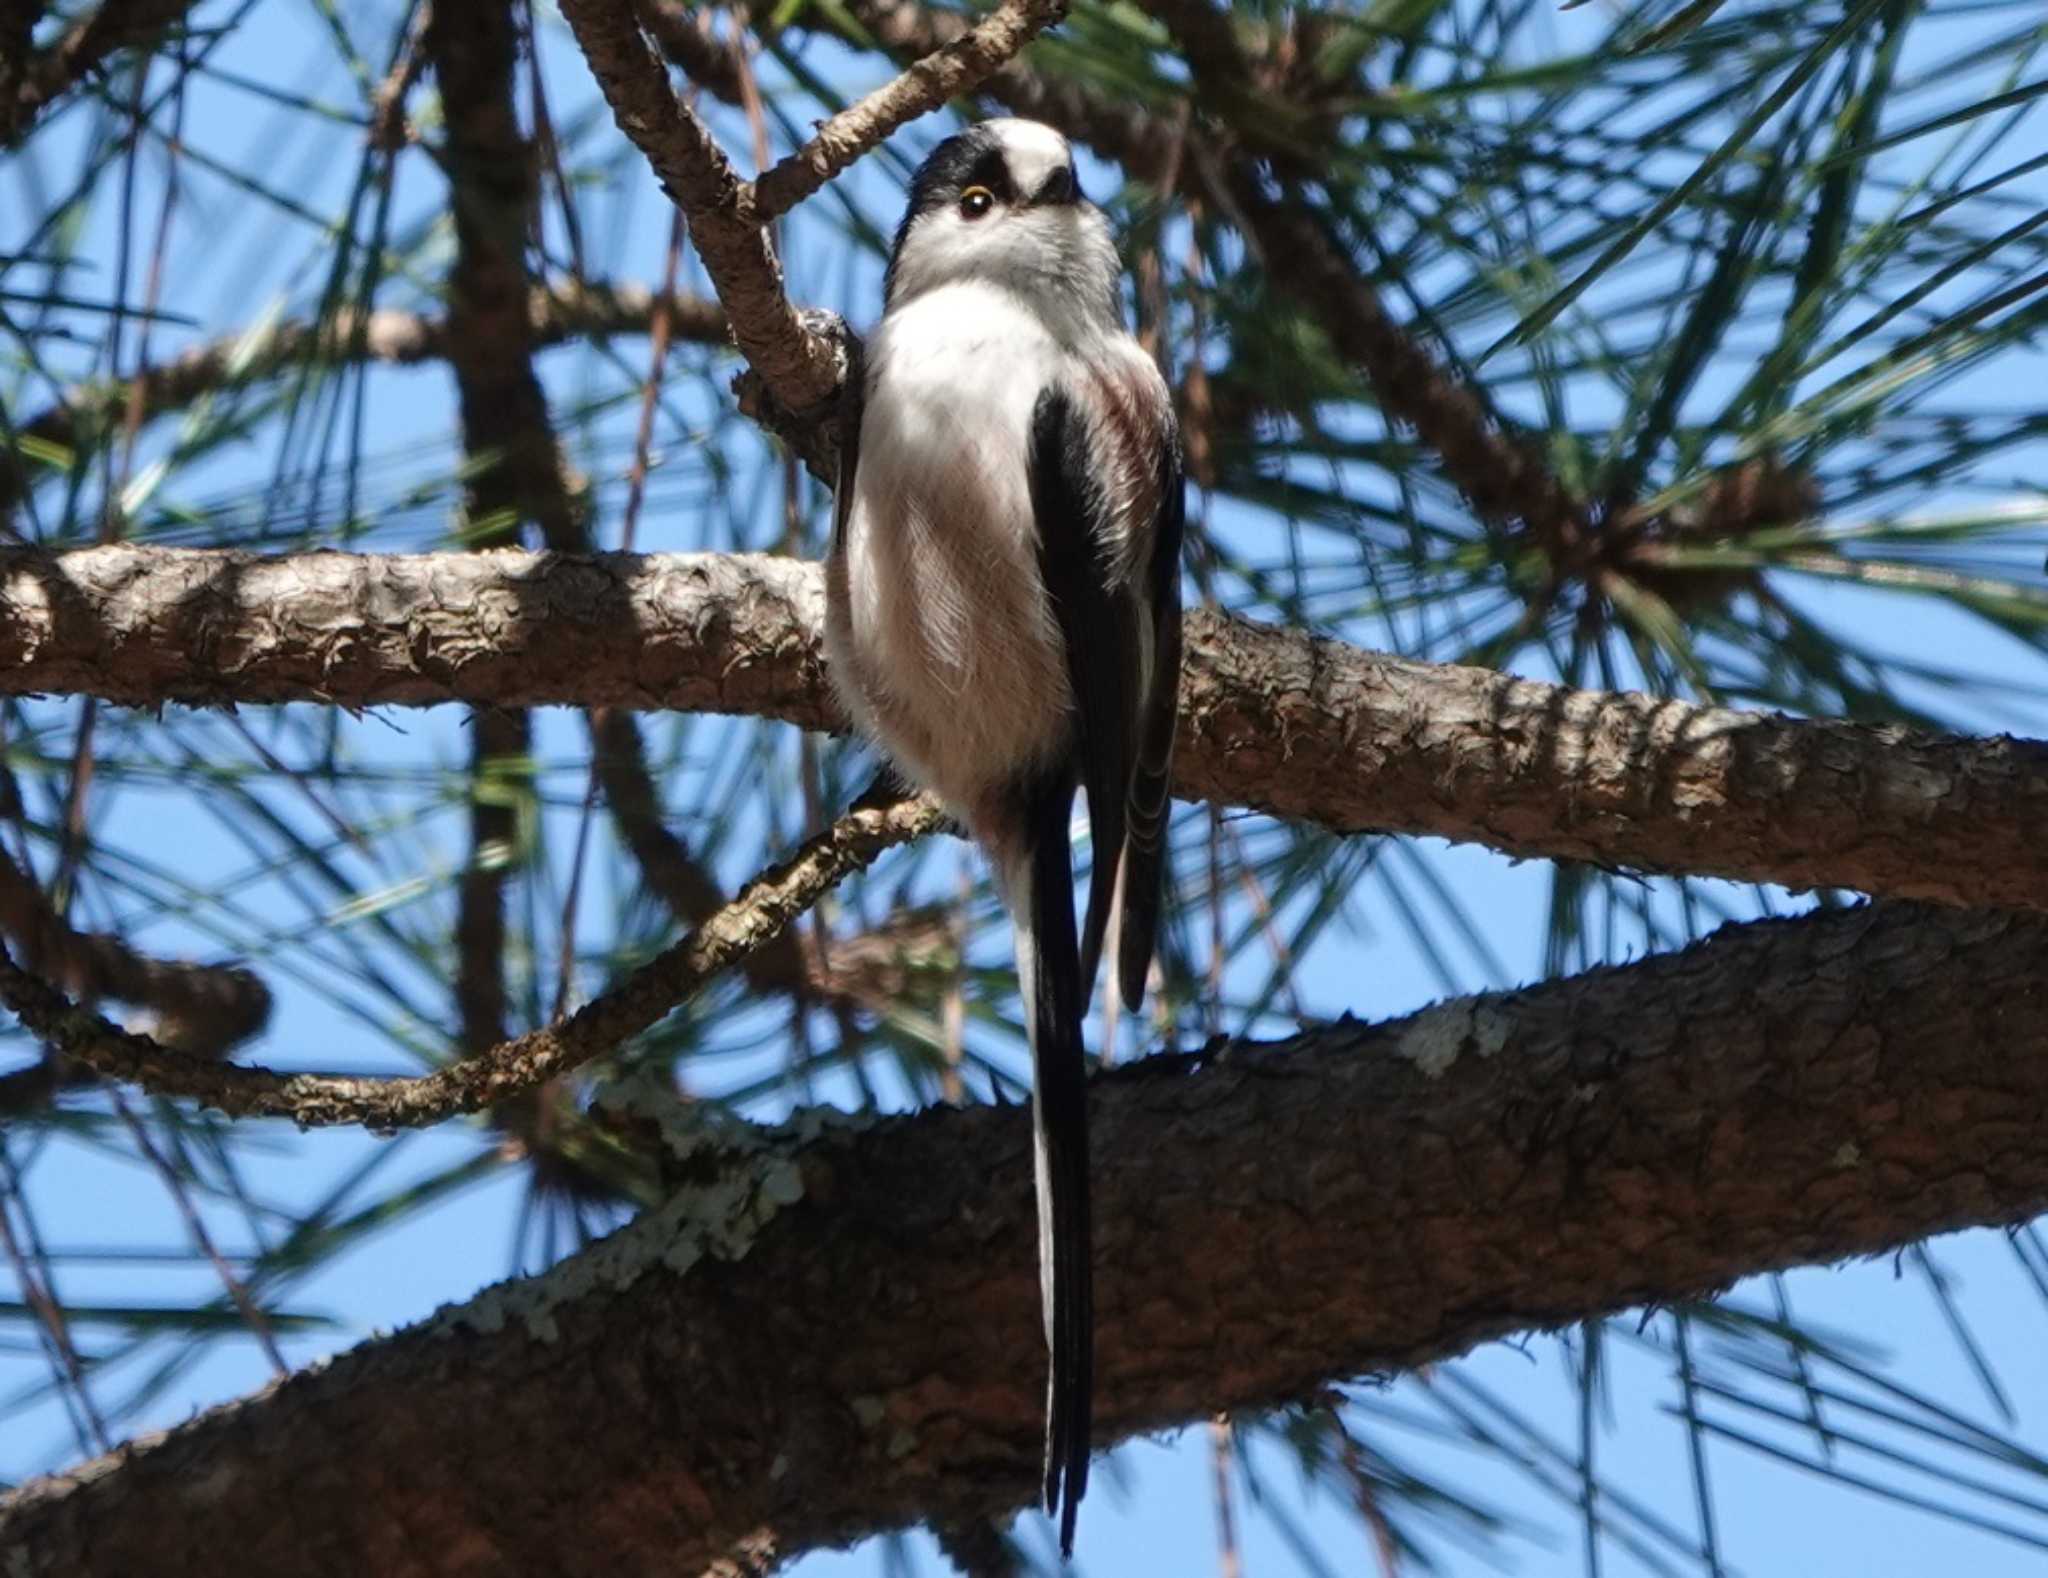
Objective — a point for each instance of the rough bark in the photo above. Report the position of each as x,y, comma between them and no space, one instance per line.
851,1341
1273,719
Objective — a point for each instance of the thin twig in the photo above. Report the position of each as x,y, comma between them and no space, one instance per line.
947,72
389,130
559,314
1222,1454
763,909
199,1008
1125,130
671,872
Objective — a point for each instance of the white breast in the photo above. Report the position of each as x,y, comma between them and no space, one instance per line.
941,639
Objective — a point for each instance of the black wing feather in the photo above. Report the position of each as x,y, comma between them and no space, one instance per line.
1099,618
1145,833
852,406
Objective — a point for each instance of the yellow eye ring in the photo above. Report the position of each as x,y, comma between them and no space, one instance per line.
976,201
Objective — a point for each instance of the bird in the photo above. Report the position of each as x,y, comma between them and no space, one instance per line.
1003,620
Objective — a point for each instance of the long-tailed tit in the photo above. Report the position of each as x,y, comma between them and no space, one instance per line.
1003,617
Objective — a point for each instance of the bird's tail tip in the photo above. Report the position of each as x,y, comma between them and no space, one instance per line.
1066,1479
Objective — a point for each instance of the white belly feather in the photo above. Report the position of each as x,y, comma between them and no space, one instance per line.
941,640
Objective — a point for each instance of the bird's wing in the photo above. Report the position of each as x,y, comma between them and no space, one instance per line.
1100,617
1144,862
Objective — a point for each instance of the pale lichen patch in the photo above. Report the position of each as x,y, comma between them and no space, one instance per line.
1435,1038
754,1173
868,1410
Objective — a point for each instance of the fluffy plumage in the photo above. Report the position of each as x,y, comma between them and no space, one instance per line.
1003,617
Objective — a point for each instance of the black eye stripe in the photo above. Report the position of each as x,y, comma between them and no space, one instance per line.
991,171
1058,187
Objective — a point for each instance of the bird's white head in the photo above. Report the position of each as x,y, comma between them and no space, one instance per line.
1000,204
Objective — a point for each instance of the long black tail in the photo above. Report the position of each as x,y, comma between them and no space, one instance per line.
1041,884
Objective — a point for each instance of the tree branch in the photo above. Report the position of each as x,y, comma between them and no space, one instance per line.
802,368
1125,131
83,49
488,1077
957,67
198,1008
558,315
1354,1201
517,471
1274,719
507,429
799,360
683,34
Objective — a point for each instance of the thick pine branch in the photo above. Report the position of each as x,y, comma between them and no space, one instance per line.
1274,719
837,1333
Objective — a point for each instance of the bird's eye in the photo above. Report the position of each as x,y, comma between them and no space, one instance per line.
976,201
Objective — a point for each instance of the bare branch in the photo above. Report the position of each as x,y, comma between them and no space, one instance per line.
1313,730
84,49
1128,132
802,369
684,34
955,68
1356,1200
559,314
198,1008
761,912
517,470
